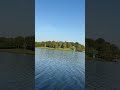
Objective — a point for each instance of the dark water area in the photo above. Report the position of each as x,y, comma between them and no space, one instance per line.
102,75
59,70
16,71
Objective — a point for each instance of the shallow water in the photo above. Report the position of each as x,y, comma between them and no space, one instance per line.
59,70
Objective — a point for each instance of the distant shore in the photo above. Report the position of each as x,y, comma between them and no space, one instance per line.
18,51
64,49
61,45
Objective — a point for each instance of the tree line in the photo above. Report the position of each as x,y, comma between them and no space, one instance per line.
99,48
19,42
59,44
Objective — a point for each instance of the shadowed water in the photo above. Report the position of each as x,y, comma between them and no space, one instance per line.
102,75
59,70
16,71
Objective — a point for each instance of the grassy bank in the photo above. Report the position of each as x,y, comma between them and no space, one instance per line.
18,51
65,49
101,59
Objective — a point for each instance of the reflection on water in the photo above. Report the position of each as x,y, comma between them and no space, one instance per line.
59,70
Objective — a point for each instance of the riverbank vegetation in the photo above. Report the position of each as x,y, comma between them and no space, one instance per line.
18,51
61,45
102,50
18,44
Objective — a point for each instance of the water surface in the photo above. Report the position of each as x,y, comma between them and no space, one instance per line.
59,70
16,71
102,75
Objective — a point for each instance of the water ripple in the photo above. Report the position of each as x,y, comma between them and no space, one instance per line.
59,70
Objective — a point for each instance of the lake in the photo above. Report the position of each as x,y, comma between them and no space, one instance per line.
102,75
16,71
59,70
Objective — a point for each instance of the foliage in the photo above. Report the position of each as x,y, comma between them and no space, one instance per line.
17,42
55,44
101,49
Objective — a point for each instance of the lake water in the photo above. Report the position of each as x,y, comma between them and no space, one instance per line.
102,75
16,71
59,70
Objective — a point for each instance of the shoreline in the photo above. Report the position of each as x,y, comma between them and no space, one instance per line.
18,51
100,59
66,49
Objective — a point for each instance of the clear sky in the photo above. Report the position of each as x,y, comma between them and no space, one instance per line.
60,20
103,20
16,18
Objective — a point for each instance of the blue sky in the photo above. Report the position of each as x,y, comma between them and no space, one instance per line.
60,20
